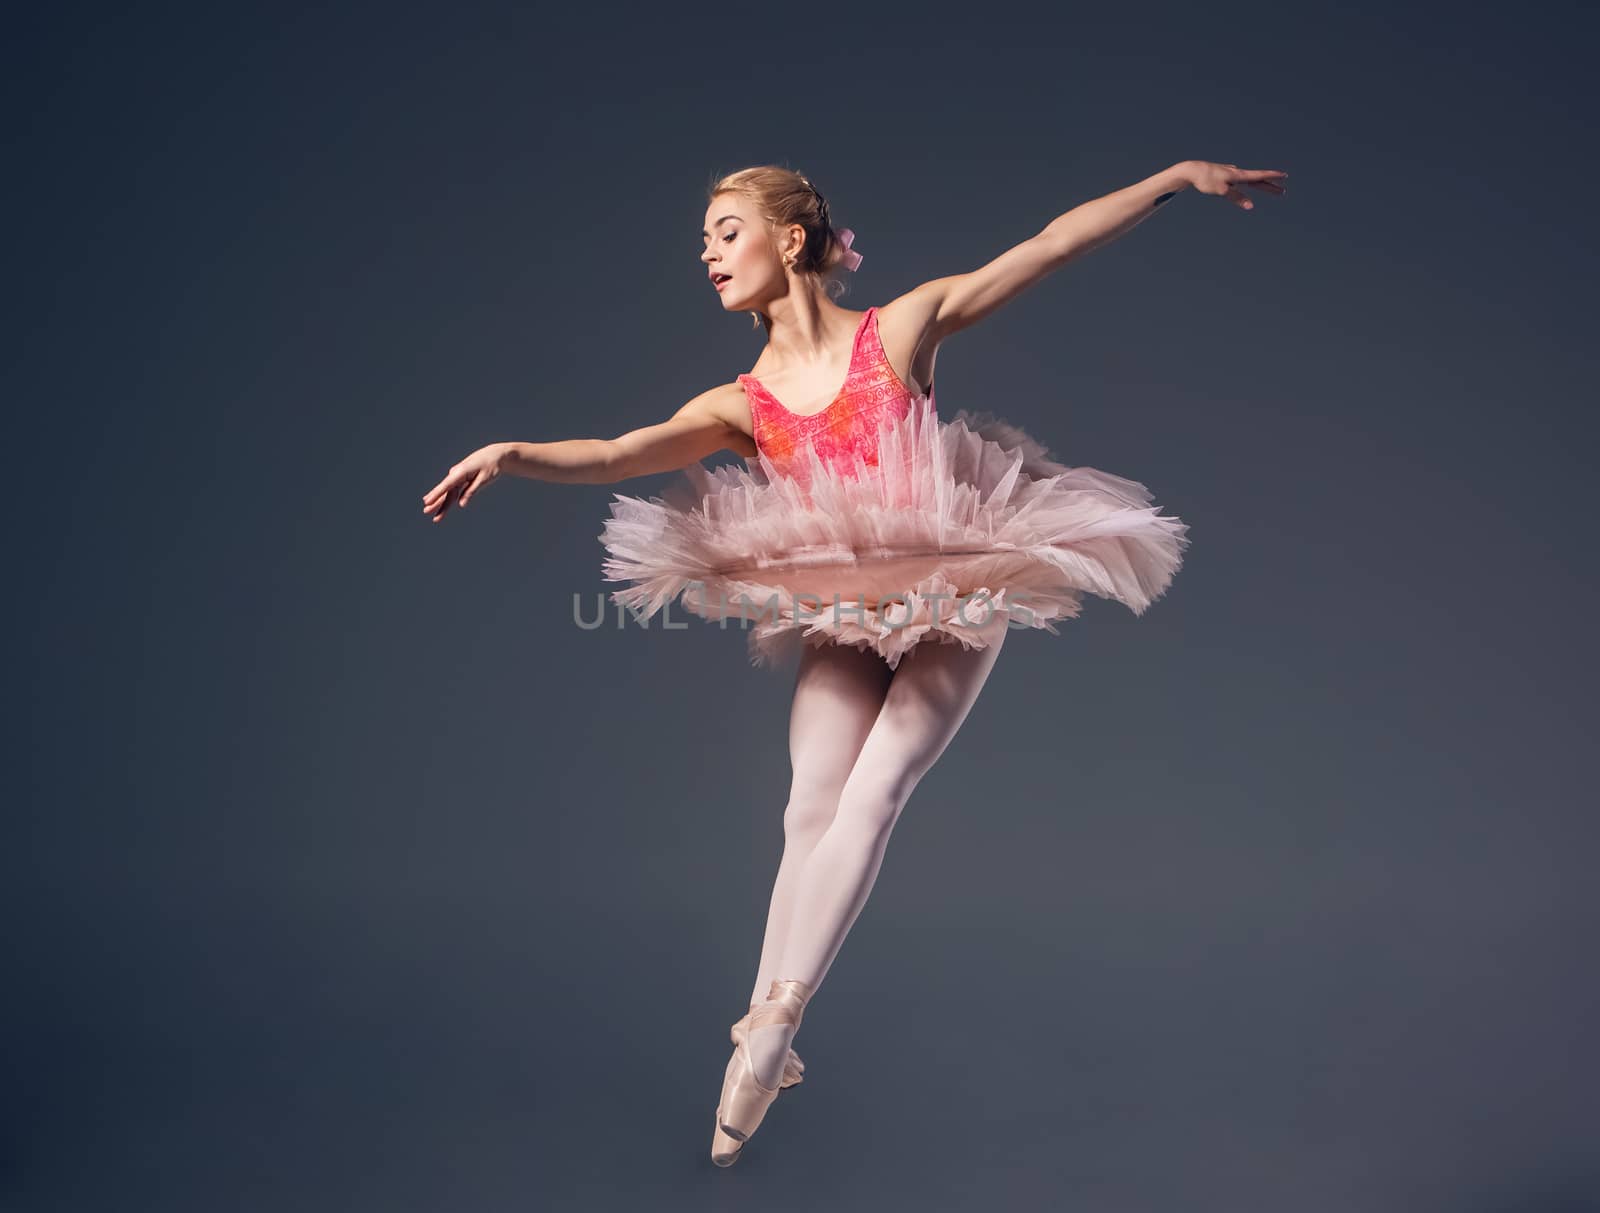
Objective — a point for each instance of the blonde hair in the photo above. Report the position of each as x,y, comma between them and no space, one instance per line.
786,197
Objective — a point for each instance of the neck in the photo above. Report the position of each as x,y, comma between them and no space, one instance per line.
805,327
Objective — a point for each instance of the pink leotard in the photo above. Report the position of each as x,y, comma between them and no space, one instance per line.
848,426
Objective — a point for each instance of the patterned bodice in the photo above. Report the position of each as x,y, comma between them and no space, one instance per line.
849,425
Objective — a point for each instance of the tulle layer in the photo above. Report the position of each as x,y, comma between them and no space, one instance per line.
962,528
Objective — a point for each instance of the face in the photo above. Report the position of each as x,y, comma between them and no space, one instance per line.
737,246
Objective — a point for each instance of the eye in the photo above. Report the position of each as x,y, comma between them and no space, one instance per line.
730,236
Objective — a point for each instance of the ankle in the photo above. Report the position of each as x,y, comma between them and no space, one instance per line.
792,993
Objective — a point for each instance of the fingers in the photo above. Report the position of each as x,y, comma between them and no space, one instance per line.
1268,179
437,500
461,483
1263,179
440,490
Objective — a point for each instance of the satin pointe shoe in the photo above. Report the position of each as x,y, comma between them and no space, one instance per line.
725,1149
746,1101
794,1070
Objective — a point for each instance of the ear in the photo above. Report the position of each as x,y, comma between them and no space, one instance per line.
791,242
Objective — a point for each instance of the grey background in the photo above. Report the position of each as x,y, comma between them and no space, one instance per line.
346,872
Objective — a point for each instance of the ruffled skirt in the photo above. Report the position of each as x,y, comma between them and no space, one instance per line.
961,529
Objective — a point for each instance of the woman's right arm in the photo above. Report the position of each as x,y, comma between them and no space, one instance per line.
700,428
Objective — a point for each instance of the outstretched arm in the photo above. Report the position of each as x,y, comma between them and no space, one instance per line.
698,429
954,303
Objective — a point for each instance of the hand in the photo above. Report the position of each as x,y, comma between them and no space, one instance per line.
464,480
1211,178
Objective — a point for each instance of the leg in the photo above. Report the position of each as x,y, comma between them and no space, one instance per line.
929,697
838,693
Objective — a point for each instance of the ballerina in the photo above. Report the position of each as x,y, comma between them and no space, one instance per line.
888,550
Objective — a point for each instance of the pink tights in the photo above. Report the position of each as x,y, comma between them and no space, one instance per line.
860,738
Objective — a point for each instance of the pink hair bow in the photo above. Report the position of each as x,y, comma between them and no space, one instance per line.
850,259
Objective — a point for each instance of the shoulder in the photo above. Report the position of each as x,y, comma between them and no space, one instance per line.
728,404
907,318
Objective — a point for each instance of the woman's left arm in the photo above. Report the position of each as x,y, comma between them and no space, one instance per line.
954,303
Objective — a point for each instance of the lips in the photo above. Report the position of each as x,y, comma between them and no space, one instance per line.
719,280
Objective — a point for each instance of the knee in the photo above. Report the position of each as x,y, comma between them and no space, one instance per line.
872,804
810,813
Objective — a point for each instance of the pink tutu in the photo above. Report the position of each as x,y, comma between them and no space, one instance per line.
959,530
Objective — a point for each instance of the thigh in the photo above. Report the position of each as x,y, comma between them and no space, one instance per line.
838,693
933,690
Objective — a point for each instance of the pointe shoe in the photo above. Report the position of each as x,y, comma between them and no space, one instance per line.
794,1070
725,1149
745,1101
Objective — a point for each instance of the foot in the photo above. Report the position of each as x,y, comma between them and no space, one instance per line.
794,1070
746,1096
725,1149
769,1051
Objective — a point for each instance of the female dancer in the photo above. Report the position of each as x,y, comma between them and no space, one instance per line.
862,536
